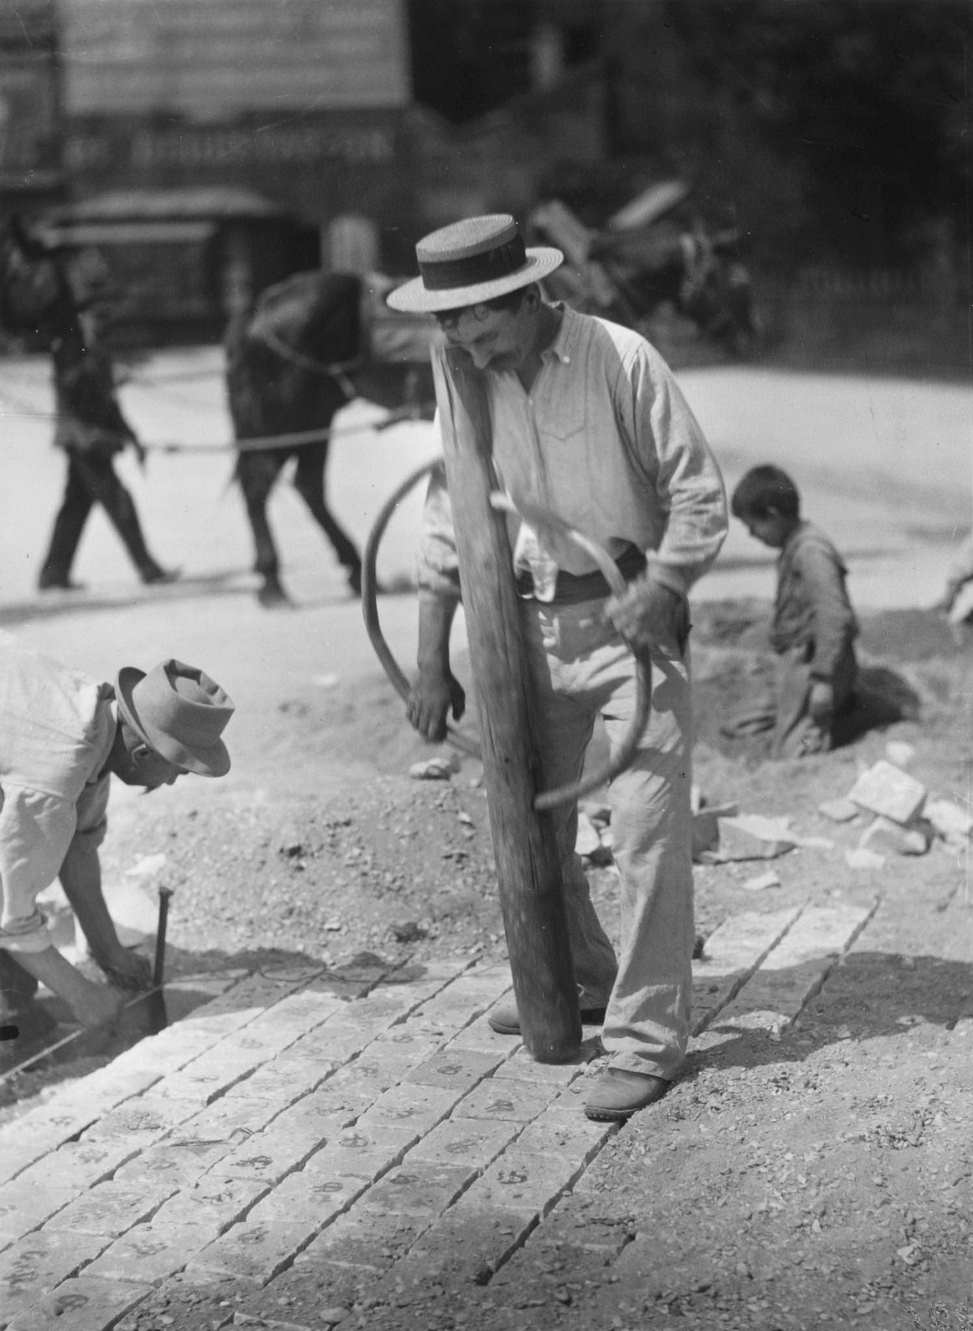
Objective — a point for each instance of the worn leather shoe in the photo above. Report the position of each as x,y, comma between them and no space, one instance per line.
506,1020
156,575
618,1094
55,582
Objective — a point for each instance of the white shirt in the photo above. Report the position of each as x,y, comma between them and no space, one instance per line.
607,442
56,733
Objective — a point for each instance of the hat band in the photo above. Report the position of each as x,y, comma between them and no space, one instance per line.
501,261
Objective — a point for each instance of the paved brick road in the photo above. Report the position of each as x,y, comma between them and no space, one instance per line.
306,1132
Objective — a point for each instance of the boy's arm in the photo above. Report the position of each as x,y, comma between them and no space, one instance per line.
834,619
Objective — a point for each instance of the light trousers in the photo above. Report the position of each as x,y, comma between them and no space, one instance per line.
581,669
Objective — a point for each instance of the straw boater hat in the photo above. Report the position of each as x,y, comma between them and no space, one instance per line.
179,712
471,261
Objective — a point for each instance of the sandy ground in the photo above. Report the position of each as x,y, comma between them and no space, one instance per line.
317,842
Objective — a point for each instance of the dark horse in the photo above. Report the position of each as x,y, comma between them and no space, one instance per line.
307,350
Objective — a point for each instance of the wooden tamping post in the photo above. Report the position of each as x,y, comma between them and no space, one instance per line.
524,846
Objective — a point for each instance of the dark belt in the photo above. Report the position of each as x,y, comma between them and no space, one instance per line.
572,588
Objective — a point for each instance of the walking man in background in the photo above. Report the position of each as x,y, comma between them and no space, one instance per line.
37,296
62,736
589,423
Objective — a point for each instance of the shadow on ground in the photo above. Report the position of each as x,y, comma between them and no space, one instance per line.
869,995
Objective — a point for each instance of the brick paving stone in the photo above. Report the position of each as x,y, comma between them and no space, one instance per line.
237,1112
40,1131
364,1239
456,1068
403,1046
420,1107
211,1202
520,1181
332,1043
109,1209
472,1141
363,1150
521,1067
291,1076
25,1205
150,1253
201,1082
270,1154
82,1305
422,1187
586,1220
311,1199
167,1051
506,1098
732,953
76,1165
111,1085
141,1120
380,1010
565,1137
793,970
332,1106
475,989
40,1261
178,1160
365,1074
567,1110
464,1244
481,1036
255,1250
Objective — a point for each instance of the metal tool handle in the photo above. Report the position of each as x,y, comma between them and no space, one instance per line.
158,970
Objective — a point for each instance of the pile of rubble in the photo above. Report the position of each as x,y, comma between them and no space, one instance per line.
903,818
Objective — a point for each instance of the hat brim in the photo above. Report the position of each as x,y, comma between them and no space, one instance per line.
416,298
214,760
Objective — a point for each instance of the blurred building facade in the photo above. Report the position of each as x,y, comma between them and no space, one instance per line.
264,135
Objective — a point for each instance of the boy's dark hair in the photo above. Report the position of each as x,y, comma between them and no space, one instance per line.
764,491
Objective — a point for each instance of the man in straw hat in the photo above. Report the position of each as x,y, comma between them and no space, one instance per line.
62,736
588,422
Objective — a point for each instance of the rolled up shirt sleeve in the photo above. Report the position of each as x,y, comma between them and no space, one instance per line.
437,566
36,830
688,482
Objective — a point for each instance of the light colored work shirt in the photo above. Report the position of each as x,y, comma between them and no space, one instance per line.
57,727
607,442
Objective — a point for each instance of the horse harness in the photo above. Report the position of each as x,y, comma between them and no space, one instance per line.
337,370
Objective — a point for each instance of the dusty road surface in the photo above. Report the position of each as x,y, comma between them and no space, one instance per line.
813,1168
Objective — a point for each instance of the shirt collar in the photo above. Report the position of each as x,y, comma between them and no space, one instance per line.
561,348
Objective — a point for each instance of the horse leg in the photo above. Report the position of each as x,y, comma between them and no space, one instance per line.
256,474
309,483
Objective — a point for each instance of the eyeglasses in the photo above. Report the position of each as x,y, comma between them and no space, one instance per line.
449,319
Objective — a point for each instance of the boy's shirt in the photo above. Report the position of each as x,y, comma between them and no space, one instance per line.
812,606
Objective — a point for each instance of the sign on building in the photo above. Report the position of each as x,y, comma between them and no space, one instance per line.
224,58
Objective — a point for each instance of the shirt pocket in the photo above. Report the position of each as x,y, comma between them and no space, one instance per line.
562,418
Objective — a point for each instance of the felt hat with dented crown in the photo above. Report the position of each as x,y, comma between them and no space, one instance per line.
179,712
471,261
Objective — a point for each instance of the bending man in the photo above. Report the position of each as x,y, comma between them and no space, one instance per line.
61,739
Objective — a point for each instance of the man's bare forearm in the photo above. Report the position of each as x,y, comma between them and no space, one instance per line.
436,615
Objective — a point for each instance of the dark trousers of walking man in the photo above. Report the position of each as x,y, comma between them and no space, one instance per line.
92,479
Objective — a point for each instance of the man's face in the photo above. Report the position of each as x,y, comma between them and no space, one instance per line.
496,339
138,765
